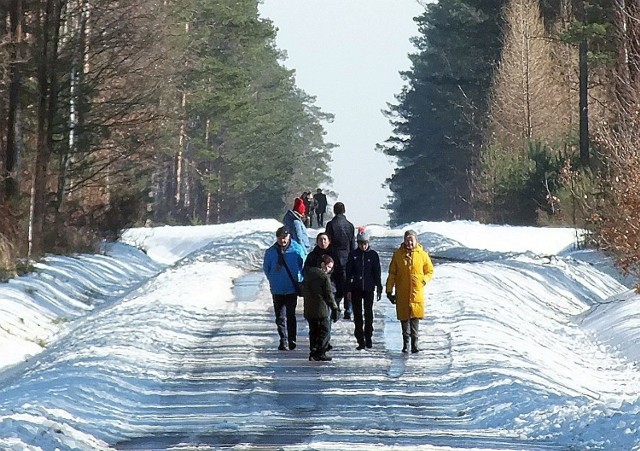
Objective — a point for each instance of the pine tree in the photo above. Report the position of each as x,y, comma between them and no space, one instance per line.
440,114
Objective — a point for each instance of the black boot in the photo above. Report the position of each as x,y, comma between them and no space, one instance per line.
367,342
405,346
414,345
283,345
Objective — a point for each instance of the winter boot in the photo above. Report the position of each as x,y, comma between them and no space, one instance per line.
360,346
283,345
367,342
292,345
414,345
405,346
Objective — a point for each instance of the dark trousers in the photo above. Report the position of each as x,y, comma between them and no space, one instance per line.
319,334
341,282
362,303
284,305
320,219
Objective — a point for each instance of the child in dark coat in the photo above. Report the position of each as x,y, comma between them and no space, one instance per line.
318,302
363,278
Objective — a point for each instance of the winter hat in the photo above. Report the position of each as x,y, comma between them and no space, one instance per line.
282,231
298,206
363,235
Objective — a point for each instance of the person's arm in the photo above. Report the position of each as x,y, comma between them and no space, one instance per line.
301,231
327,294
377,271
391,279
329,230
349,272
267,263
353,243
427,268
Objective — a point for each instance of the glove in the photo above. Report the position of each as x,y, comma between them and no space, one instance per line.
392,298
334,315
378,295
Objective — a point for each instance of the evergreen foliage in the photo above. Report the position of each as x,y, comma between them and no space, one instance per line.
179,111
440,114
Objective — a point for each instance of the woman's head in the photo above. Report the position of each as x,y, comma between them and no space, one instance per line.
410,239
322,240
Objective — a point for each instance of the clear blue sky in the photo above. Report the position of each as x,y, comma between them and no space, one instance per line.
348,54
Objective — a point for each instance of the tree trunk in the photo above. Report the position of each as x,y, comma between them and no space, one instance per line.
15,89
46,76
583,88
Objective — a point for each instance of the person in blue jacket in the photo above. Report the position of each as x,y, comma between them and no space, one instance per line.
294,222
363,278
282,265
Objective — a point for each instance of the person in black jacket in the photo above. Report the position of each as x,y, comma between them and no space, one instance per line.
343,239
363,278
314,259
320,205
318,302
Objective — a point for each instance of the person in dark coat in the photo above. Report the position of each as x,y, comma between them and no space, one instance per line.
364,276
343,239
318,302
320,201
323,246
282,255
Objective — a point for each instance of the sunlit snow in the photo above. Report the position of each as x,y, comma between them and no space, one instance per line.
167,341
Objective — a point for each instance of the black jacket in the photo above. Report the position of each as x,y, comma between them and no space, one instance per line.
363,271
314,259
342,235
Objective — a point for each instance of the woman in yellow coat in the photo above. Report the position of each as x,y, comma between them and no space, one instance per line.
409,271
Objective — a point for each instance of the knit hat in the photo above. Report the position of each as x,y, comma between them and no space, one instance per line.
282,231
362,236
298,206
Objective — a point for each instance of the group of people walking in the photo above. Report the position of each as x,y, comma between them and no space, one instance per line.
342,268
313,206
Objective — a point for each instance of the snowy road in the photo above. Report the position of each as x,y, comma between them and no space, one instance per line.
187,360
235,389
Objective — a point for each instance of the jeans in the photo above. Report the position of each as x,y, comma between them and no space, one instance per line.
284,306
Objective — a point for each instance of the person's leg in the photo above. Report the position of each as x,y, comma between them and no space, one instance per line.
313,339
358,321
406,334
292,323
348,310
279,308
368,318
323,339
415,326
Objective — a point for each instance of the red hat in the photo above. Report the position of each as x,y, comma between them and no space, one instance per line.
298,206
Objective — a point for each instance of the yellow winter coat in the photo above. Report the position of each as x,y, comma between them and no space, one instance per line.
409,272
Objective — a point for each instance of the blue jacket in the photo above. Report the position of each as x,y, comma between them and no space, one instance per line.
363,271
297,229
272,265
